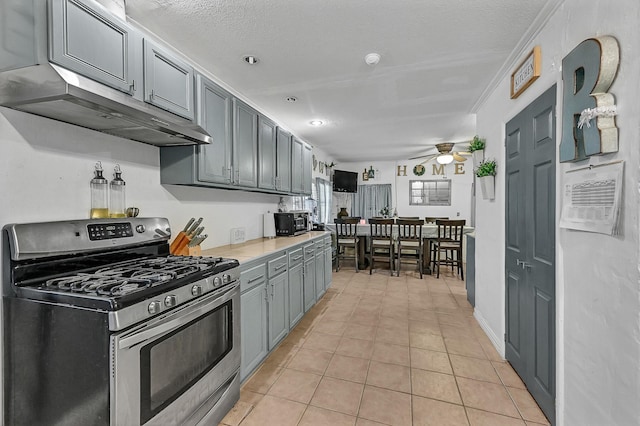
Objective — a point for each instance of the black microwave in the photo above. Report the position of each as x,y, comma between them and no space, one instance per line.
291,223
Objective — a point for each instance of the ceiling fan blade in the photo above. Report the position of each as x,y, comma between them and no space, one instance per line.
431,157
421,156
458,157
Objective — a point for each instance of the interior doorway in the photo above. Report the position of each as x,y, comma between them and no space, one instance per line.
530,248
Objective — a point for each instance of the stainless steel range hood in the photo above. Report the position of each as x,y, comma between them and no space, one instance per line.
55,92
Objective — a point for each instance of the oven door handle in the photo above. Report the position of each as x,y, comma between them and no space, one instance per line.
177,319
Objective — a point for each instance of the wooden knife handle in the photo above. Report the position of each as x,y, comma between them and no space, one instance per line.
177,242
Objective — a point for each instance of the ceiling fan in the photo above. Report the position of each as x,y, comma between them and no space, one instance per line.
445,154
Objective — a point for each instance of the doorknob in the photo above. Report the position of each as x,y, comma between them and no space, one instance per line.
523,264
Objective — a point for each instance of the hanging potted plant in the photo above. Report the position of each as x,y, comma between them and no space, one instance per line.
486,174
476,148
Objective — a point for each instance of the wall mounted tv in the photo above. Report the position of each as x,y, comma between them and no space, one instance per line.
344,181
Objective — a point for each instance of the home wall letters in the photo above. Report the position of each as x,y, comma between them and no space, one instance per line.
587,72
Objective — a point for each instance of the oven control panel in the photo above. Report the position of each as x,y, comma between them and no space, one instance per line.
107,231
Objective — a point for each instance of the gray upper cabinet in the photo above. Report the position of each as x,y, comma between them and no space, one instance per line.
296,165
86,39
306,169
245,144
283,161
266,153
168,80
214,115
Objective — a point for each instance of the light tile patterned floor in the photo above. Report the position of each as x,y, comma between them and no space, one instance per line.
381,350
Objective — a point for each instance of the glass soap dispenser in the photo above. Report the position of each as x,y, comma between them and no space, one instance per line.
117,194
99,194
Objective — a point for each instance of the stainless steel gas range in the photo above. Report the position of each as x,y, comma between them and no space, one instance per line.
103,327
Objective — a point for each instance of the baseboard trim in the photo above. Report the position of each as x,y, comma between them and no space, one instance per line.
497,343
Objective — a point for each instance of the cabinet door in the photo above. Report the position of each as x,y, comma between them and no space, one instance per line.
214,115
87,39
328,270
309,283
278,288
168,80
245,144
296,294
253,325
319,271
266,153
296,165
306,169
283,161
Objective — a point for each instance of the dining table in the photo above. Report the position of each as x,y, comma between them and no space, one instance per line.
429,232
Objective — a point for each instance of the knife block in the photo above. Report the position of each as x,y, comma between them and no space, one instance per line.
190,251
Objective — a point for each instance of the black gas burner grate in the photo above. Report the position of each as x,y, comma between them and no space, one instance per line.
132,276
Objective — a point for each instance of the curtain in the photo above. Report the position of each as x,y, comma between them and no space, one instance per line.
370,199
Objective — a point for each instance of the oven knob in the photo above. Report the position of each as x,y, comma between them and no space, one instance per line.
217,281
154,307
170,301
196,290
140,229
226,278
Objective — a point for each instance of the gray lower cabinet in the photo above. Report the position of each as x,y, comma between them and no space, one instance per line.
87,39
266,153
253,319
283,160
245,144
278,299
168,80
320,270
328,270
296,289
309,280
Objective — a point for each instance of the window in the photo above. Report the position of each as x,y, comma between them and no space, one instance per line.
430,192
323,190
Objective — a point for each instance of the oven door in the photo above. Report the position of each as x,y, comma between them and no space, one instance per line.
179,367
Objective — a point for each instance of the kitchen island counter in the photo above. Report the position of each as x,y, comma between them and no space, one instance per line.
254,249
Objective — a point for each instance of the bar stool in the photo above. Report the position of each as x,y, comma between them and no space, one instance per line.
347,238
409,242
381,242
449,242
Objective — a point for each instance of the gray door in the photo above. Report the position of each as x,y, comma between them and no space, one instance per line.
266,153
283,167
245,144
530,248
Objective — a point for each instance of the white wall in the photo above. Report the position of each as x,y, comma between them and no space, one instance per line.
386,172
597,292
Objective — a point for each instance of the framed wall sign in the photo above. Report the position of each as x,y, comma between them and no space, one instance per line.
526,73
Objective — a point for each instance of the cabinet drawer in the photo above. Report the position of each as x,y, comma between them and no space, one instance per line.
296,257
253,277
309,251
277,265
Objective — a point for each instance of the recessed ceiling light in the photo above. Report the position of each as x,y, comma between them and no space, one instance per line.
291,99
251,60
316,123
372,59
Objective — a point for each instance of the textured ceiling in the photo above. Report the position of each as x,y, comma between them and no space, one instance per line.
438,56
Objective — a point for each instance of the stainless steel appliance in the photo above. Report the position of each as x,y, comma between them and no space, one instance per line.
103,327
291,223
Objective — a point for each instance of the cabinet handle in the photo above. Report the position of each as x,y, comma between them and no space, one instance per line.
157,120
282,265
152,94
132,86
297,258
254,279
272,286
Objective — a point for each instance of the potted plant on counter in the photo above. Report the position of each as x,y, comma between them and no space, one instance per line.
486,174
476,148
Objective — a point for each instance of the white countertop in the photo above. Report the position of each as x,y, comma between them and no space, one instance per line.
259,247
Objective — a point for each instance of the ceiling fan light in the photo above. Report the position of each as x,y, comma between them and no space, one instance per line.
444,158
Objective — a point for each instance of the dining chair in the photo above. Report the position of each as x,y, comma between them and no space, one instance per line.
449,244
409,243
380,242
433,219
347,238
